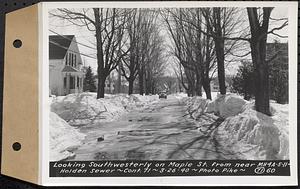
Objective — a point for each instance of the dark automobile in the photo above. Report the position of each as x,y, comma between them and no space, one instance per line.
162,95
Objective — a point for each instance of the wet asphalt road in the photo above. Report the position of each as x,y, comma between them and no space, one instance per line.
161,131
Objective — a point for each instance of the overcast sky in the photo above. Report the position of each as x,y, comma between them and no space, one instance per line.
84,36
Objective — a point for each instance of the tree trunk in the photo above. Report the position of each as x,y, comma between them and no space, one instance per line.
206,87
261,71
141,81
101,86
100,60
198,90
118,86
262,91
219,43
147,83
130,88
258,53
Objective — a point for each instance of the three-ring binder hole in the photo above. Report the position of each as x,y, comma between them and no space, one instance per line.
16,146
17,43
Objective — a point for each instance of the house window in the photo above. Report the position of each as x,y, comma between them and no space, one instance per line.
67,59
72,82
70,59
75,60
72,62
65,82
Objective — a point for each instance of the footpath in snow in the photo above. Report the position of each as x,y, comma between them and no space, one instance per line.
76,110
248,132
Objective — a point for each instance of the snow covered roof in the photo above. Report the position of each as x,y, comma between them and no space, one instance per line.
58,45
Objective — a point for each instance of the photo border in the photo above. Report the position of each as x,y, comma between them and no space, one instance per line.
169,181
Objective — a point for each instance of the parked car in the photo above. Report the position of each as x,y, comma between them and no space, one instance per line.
162,95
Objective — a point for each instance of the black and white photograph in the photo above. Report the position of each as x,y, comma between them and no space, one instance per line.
169,83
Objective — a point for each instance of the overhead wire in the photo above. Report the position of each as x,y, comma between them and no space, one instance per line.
54,43
72,40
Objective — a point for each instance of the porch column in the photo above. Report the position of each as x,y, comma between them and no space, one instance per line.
68,84
75,83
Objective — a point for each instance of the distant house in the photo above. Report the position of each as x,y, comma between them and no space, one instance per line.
65,64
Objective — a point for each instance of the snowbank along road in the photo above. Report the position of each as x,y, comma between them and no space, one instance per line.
159,131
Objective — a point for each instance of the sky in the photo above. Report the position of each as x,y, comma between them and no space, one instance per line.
87,38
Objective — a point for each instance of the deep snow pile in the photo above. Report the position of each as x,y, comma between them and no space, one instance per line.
83,108
250,133
227,105
62,137
197,106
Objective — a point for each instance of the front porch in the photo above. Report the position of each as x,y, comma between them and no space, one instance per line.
72,81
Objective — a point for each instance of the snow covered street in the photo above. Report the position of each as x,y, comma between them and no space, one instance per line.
159,131
122,127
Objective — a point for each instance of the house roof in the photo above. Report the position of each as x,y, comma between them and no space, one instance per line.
58,45
68,68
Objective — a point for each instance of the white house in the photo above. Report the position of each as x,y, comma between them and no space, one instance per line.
65,74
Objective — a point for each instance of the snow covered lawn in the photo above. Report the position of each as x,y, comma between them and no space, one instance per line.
248,132
83,108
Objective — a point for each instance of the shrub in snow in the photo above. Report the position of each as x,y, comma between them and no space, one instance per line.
62,137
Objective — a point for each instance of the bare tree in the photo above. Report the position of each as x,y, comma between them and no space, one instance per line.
193,49
145,56
259,28
220,23
179,48
179,72
108,26
155,62
131,62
